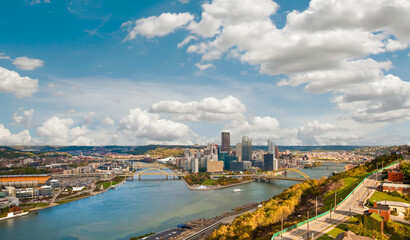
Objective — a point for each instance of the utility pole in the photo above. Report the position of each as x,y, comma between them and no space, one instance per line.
377,169
316,208
330,212
335,199
307,232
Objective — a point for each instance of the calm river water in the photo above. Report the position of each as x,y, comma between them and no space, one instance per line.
150,206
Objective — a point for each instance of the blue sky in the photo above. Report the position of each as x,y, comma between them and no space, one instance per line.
296,72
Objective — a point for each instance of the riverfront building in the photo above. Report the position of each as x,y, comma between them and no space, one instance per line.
214,166
246,148
226,142
238,152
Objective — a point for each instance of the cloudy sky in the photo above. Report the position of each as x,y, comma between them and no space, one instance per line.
317,72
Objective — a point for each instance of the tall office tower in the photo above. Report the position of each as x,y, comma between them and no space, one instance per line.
271,147
268,162
225,142
246,148
188,164
276,152
239,151
195,165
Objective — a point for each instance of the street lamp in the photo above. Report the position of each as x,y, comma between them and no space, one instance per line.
307,231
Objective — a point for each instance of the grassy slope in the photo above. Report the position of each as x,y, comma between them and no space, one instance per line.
381,196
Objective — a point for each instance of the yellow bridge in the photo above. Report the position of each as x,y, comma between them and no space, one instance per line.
158,172
260,177
271,175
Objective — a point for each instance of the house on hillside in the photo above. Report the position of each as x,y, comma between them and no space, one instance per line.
381,209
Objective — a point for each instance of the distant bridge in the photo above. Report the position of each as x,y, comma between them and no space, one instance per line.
158,172
270,176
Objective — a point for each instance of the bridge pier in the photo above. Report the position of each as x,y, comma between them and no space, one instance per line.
166,177
139,176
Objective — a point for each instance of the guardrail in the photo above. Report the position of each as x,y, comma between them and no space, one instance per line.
205,231
328,211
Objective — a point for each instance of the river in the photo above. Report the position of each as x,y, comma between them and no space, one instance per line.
150,205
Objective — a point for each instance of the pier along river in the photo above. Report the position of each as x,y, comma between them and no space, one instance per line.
138,207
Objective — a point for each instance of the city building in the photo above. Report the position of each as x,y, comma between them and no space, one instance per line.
227,160
226,142
214,166
271,147
246,148
276,152
235,166
246,165
238,152
268,162
222,156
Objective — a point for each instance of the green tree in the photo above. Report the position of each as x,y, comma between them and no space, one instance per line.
407,215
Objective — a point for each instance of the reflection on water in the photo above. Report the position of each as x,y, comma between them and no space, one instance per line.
149,206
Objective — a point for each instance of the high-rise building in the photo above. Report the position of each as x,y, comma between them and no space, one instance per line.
226,142
276,152
246,148
268,162
275,164
239,151
271,147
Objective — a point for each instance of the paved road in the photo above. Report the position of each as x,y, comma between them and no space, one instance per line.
353,205
167,234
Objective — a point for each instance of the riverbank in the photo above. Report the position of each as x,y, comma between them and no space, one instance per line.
45,205
210,187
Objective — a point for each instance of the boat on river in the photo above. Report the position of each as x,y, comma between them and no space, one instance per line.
236,190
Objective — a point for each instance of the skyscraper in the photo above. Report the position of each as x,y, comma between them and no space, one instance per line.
268,162
225,142
271,147
239,151
246,148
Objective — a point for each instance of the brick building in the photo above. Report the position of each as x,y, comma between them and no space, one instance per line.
395,176
381,209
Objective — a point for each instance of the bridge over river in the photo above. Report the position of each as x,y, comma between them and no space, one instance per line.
265,177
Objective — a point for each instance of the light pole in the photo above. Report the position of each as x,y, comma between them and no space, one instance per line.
307,232
316,208
330,213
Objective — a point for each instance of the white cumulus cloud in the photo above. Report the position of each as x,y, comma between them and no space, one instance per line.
25,119
7,138
108,121
317,133
209,108
59,131
25,63
142,124
157,26
12,82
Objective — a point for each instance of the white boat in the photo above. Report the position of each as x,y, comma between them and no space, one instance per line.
14,215
236,190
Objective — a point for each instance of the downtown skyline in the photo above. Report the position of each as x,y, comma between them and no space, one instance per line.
180,72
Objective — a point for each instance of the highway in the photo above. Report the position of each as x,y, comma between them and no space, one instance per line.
352,205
